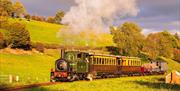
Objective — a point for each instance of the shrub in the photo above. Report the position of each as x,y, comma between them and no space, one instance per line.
113,50
18,36
27,16
4,24
38,46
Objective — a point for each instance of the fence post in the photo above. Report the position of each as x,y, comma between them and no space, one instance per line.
10,78
17,78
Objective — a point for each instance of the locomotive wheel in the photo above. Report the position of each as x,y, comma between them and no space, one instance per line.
52,80
73,78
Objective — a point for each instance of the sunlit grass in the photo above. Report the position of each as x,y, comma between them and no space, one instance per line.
31,68
49,33
147,83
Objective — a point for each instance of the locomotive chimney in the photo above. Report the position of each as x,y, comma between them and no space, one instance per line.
62,53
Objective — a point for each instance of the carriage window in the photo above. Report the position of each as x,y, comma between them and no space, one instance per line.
113,61
95,62
129,62
103,60
97,59
133,62
118,62
109,61
90,59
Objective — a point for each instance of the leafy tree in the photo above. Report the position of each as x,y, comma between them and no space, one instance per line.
38,18
6,7
19,9
59,16
50,19
4,24
128,38
18,36
28,17
160,44
2,41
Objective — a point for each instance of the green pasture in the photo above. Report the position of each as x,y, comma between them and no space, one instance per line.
147,83
49,33
31,68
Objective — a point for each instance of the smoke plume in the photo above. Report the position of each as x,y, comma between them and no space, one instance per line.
95,15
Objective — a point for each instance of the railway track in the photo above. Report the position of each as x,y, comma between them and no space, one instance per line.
19,88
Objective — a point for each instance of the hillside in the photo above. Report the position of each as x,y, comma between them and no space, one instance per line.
30,66
172,65
48,33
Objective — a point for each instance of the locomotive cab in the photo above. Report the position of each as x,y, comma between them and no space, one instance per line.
72,65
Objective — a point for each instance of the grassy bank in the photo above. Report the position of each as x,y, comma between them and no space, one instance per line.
49,33
31,67
147,83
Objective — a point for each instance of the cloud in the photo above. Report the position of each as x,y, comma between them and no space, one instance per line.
148,31
91,14
175,24
154,14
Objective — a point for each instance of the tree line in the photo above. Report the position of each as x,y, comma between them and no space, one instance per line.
131,42
17,10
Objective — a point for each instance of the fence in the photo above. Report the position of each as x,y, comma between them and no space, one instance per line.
8,78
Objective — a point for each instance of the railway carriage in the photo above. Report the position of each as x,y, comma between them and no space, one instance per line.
129,65
75,65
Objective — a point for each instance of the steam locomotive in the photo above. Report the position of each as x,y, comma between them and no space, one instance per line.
77,65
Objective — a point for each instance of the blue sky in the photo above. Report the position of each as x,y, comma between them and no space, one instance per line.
154,15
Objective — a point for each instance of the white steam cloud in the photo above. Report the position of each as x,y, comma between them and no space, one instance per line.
92,14
95,15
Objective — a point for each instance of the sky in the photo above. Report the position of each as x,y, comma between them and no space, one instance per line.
154,15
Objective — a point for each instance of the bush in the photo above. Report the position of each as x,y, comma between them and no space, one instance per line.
27,16
18,36
38,46
113,50
4,24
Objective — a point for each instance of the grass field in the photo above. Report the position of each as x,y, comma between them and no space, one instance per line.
147,83
48,33
30,67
